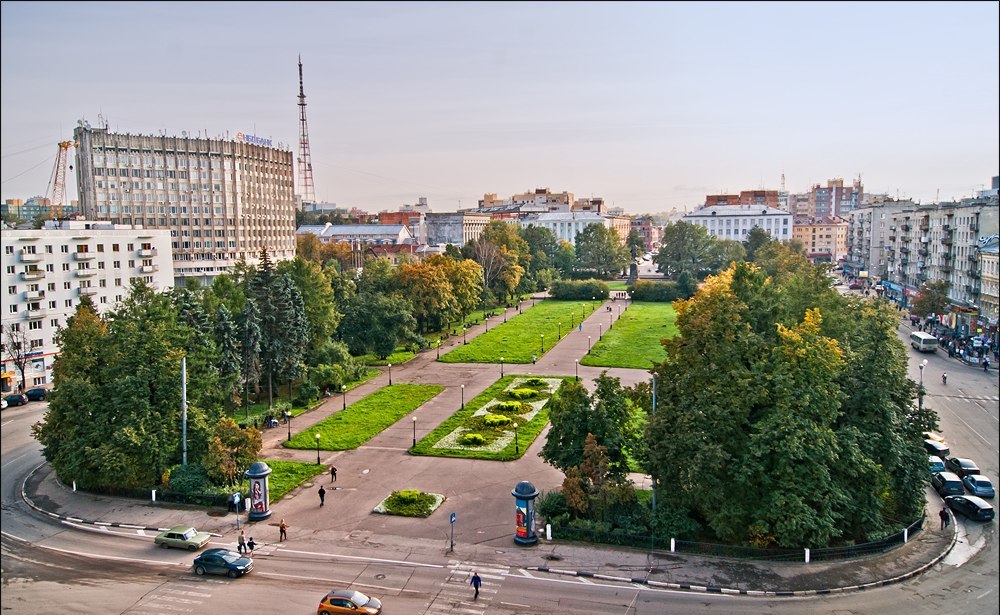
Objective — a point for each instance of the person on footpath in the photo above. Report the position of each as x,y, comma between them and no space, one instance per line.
251,545
945,518
475,583
282,531
241,542
322,495
333,474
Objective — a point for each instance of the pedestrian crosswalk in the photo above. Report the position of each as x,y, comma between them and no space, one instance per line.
455,596
187,597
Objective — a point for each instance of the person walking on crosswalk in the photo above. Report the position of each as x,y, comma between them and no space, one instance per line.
475,583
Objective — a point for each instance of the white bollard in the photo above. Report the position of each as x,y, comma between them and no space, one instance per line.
548,531
906,535
74,485
673,545
807,556
154,495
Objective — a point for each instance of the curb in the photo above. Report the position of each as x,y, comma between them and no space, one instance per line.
750,592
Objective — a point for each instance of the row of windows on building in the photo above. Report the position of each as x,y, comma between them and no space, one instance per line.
50,267
51,287
81,248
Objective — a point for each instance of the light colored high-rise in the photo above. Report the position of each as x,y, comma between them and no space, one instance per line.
221,199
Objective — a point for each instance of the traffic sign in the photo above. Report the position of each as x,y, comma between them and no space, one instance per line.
452,518
236,498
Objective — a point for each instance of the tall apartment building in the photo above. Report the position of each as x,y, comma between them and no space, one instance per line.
457,228
221,200
733,222
868,238
650,232
47,270
824,239
989,288
835,199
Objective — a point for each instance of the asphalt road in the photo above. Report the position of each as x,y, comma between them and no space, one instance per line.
53,567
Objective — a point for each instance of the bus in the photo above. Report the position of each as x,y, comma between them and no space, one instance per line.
923,342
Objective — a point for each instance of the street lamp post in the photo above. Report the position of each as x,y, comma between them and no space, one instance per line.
465,329
288,421
463,397
588,344
600,330
577,369
343,394
501,367
920,391
317,449
439,349
543,344
517,450
593,305
486,319
558,331
414,431
390,373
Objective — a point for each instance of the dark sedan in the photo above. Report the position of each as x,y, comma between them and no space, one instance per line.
962,466
36,394
17,399
972,507
222,561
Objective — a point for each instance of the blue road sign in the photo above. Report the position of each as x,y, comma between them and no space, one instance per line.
452,520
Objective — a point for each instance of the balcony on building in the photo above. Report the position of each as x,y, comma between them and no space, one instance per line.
85,273
34,274
88,290
905,227
924,239
84,256
946,241
147,253
904,250
30,257
149,268
30,295
922,251
35,314
946,268
946,228
946,256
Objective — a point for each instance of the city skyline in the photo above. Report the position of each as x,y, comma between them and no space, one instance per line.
648,105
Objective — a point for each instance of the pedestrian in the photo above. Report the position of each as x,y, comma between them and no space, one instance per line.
251,545
282,531
241,542
475,583
944,518
986,364
322,495
333,474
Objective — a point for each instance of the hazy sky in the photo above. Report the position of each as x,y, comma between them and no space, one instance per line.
649,105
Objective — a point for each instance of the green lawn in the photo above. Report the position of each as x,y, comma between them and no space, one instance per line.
364,419
397,358
288,475
259,410
634,341
617,285
526,433
520,337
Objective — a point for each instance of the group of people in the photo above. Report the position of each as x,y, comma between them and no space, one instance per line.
245,546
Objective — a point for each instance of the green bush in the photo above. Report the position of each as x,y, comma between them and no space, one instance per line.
510,407
308,393
663,292
473,439
496,420
409,503
192,478
580,291
523,393
536,383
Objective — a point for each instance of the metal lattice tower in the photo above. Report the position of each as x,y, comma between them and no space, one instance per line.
306,189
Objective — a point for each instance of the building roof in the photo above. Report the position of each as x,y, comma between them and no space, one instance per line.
566,216
721,211
352,230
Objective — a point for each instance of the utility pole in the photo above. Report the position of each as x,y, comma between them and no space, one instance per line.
306,189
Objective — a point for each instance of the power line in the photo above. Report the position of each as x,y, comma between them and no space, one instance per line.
26,170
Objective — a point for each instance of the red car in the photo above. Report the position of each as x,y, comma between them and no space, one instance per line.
855,286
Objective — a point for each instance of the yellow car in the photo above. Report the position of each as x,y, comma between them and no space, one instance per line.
182,537
348,601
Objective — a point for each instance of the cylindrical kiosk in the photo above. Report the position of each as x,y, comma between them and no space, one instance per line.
260,493
524,513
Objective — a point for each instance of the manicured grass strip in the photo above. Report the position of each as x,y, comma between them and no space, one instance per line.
617,285
397,358
520,337
288,475
364,419
259,410
526,434
634,341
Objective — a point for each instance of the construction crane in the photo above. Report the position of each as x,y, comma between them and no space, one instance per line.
57,182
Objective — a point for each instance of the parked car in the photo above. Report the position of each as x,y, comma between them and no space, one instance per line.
936,464
972,507
978,485
222,561
348,601
182,537
962,466
3,403
947,483
17,399
36,394
937,448
855,286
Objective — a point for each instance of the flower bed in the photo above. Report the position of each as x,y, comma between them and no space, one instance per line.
410,503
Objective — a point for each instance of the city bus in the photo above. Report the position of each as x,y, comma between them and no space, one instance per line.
923,342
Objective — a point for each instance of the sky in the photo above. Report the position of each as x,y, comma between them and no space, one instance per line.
650,105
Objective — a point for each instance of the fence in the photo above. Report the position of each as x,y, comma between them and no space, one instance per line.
657,543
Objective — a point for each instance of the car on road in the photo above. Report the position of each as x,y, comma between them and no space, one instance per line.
348,601
962,466
36,394
222,561
855,286
979,486
16,399
947,483
972,507
937,448
936,464
182,537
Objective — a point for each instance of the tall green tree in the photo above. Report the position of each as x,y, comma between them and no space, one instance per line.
932,298
227,339
599,249
314,283
756,239
377,324
684,247
430,293
250,333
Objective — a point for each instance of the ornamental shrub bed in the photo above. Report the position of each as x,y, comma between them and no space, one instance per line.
410,503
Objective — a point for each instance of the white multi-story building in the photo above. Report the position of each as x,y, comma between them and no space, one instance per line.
221,200
47,270
565,225
734,222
